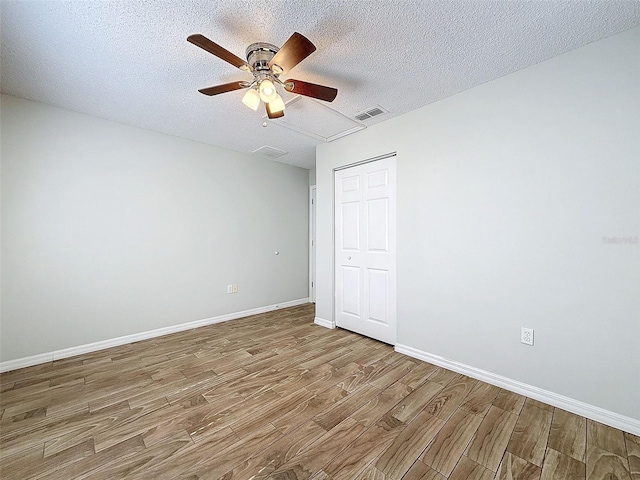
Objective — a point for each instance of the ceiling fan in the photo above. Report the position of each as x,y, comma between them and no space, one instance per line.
267,62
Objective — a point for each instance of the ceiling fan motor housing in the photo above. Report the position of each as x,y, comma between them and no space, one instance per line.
259,55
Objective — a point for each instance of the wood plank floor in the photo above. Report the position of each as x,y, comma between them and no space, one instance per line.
275,396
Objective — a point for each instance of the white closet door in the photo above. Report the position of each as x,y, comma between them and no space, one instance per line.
365,249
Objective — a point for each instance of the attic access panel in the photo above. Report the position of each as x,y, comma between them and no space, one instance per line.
316,120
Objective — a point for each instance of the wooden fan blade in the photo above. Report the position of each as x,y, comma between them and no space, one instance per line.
211,47
294,50
273,115
226,87
328,94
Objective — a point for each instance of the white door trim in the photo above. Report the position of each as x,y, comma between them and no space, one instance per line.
312,243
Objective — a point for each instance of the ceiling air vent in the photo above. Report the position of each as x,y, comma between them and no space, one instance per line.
370,113
270,152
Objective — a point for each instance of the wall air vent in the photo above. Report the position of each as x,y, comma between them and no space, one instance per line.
270,152
370,113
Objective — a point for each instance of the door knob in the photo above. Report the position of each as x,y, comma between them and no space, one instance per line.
348,258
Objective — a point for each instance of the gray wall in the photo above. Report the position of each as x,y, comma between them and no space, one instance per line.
505,193
109,230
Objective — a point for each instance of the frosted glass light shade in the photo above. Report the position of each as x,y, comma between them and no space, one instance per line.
276,105
267,91
251,99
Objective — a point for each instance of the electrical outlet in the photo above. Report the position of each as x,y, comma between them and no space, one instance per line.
526,336
229,288
234,288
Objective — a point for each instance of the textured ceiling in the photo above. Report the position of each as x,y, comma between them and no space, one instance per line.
129,61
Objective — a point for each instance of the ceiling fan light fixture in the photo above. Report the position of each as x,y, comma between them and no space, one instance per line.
277,105
251,99
267,91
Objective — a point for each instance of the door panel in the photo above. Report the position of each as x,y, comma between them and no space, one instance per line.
365,257
377,225
379,178
377,287
351,279
350,226
351,184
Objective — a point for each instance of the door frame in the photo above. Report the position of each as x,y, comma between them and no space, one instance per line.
312,243
333,239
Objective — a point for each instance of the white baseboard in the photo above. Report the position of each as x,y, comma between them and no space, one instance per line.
136,337
26,362
324,323
628,424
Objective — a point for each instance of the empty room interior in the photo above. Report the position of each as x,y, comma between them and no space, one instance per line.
383,239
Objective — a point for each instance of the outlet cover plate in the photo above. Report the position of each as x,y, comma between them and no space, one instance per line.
526,336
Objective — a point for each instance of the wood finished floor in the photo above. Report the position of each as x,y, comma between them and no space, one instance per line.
275,396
